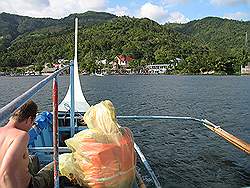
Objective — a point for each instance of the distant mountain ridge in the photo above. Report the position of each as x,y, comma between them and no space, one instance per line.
211,30
217,32
12,26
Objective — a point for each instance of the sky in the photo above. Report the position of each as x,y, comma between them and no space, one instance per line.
162,11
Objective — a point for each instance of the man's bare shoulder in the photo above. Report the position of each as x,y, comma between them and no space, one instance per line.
12,145
20,134
13,130
13,133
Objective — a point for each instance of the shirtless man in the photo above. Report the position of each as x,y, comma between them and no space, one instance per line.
14,158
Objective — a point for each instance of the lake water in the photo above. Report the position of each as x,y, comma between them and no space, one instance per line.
182,154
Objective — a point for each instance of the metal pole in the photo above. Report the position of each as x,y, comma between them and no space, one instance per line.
76,33
246,42
148,167
72,100
73,65
55,133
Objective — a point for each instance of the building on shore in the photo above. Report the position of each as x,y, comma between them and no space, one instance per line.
101,62
245,69
2,73
48,70
31,73
208,72
162,68
121,64
159,68
123,60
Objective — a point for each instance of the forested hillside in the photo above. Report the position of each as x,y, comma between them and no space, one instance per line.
221,34
210,44
12,26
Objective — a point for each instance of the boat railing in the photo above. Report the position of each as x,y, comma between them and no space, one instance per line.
7,110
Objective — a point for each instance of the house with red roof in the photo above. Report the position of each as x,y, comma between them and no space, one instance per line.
120,65
123,60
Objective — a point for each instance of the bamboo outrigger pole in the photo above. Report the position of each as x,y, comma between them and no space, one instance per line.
227,136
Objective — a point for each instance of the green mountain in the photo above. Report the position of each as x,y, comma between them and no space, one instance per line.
123,35
210,44
12,26
87,19
220,34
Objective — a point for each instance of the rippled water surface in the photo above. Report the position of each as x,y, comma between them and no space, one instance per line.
182,154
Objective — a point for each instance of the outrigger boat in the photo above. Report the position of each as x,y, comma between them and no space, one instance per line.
51,129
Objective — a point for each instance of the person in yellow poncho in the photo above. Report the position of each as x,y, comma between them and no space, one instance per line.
103,155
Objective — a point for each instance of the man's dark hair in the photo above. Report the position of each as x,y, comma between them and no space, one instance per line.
29,109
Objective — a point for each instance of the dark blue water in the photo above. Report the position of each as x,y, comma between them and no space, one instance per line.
182,154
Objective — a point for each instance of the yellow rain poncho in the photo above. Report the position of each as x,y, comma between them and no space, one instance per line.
103,155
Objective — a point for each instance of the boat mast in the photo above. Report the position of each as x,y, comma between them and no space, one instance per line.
81,105
245,51
76,35
246,42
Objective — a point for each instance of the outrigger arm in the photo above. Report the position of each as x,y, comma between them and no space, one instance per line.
242,145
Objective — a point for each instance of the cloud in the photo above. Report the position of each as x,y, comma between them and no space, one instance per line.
51,8
230,2
161,15
177,17
236,16
62,8
119,10
40,3
170,2
18,6
154,12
